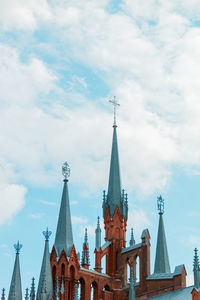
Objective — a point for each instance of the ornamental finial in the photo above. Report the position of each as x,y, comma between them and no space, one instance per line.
47,234
115,104
160,205
18,247
66,171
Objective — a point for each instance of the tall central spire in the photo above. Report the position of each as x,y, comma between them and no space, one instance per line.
115,195
64,237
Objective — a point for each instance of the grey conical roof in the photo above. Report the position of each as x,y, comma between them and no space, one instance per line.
15,292
162,258
64,237
45,273
114,185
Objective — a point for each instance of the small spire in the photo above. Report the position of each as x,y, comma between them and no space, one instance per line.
15,292
64,236
85,253
57,289
32,291
196,269
98,235
132,240
62,290
3,297
132,286
162,259
26,294
76,297
45,285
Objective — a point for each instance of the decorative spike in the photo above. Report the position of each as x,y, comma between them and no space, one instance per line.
196,269
86,237
85,253
3,297
76,297
32,292
132,240
26,294
98,235
160,204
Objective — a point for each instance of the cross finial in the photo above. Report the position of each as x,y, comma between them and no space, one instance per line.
18,247
115,104
66,171
47,234
160,204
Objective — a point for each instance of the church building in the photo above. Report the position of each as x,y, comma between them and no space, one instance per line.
66,275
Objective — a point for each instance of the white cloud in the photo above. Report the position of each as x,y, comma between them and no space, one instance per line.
36,215
190,280
12,200
79,220
50,203
138,220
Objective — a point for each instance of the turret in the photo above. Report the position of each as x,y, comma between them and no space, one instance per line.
26,295
196,269
45,285
15,292
32,291
162,260
85,261
64,237
3,297
98,235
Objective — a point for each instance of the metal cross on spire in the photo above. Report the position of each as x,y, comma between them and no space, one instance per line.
115,104
18,247
66,171
160,203
47,234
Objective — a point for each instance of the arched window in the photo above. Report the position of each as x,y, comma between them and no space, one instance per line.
82,289
71,284
137,277
103,264
54,276
94,291
128,272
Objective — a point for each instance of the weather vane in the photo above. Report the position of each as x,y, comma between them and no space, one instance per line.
66,170
18,247
160,203
47,234
115,104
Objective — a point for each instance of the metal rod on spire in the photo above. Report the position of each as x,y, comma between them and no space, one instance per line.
115,104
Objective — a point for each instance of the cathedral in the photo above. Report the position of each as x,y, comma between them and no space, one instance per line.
67,275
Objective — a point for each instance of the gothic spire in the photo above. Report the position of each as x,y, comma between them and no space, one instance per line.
132,240
98,235
196,269
32,290
85,262
64,237
15,292
57,293
45,285
114,196
162,259
131,286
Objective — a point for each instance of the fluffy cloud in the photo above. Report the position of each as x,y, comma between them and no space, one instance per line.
12,200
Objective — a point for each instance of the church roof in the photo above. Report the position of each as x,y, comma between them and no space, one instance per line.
182,294
15,292
64,237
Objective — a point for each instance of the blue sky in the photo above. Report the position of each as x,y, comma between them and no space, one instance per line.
60,62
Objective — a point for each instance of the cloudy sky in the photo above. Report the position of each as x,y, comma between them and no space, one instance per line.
60,63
